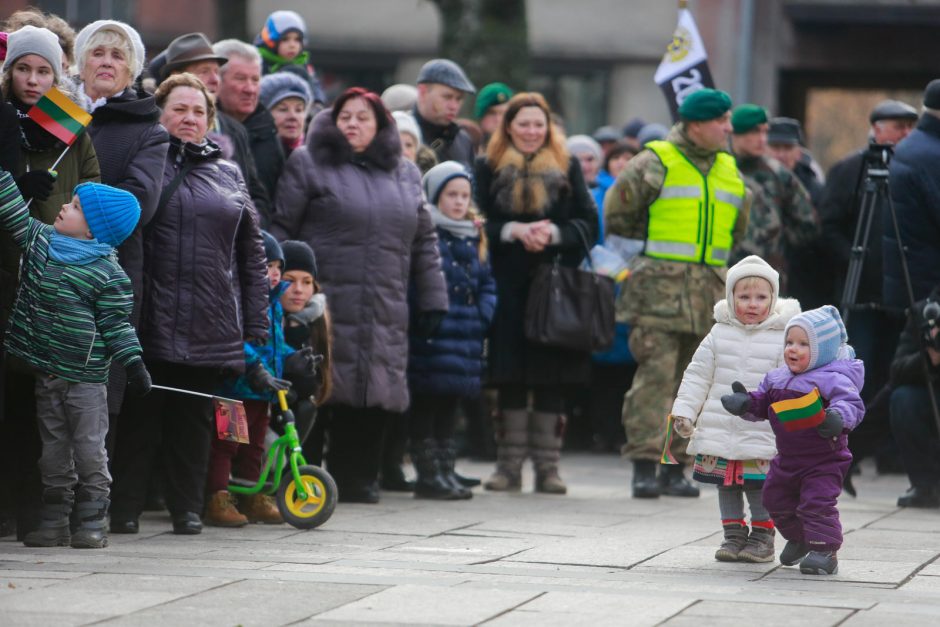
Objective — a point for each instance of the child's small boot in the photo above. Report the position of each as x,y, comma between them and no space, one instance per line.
53,522
446,460
92,532
820,563
259,508
793,552
511,445
759,547
431,483
735,539
545,439
221,511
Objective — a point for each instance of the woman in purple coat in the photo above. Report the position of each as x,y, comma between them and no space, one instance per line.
812,403
350,195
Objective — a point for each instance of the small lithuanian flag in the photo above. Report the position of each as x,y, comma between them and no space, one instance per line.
58,115
804,412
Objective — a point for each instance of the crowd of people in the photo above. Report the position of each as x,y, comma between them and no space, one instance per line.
224,227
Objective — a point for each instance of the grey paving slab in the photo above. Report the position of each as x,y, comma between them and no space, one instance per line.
858,571
249,603
44,619
888,613
421,605
931,570
10,584
701,558
894,539
572,608
746,614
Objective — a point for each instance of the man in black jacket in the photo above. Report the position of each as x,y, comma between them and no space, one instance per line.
442,88
912,420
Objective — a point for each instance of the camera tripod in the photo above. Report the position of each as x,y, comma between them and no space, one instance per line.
876,193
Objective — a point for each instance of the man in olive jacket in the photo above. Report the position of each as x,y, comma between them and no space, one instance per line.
668,300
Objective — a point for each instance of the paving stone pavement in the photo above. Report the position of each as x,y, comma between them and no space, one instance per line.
594,557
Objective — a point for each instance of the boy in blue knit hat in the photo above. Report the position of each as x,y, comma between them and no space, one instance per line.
812,402
71,317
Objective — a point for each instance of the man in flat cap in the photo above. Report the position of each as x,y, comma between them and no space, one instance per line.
442,88
686,201
782,214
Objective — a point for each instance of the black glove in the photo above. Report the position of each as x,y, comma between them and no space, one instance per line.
260,380
832,425
428,322
36,184
138,379
737,403
301,368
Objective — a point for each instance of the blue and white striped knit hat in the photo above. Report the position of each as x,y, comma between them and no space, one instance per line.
826,334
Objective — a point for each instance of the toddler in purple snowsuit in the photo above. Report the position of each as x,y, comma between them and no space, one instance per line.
812,403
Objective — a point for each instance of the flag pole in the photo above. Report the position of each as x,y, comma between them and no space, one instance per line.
191,393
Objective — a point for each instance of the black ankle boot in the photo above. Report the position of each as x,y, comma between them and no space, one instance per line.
430,484
446,459
672,482
645,485
53,522
91,533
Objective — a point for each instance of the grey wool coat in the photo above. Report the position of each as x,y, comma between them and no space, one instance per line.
365,217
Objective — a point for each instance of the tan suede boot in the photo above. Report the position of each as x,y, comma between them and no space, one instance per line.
259,508
511,444
545,436
221,512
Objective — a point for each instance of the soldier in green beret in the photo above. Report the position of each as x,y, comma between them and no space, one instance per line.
685,200
491,104
782,214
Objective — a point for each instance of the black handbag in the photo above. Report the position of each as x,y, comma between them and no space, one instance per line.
569,307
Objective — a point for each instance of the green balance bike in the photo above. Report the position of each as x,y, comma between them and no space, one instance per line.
306,496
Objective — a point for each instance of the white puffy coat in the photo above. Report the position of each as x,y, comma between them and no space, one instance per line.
732,352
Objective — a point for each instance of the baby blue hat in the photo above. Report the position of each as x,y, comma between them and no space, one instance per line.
825,331
111,213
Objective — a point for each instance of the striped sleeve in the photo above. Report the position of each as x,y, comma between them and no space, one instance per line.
113,308
14,216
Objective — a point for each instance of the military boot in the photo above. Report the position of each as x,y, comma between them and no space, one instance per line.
735,539
511,446
431,483
546,431
92,532
672,482
53,521
759,547
446,459
645,485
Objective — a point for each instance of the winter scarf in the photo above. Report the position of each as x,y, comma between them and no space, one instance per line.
276,61
76,252
529,184
457,228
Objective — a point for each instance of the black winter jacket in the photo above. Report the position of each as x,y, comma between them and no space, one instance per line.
907,367
206,286
241,155
266,148
450,143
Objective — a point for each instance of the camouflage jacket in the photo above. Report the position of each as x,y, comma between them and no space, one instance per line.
782,214
666,295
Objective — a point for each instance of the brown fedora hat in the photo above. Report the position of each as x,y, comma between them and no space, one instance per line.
187,49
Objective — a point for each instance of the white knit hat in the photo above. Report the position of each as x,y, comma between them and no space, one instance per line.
407,124
38,41
81,42
752,266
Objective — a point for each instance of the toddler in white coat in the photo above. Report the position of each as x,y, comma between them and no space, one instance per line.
745,343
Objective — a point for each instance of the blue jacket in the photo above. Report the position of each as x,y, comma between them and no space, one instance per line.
601,185
451,362
272,353
915,189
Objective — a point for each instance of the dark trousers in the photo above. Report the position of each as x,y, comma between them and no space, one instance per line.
912,423
609,383
874,336
177,426
20,450
245,458
432,416
548,399
355,444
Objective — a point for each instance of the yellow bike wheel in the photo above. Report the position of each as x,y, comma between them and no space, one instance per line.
317,507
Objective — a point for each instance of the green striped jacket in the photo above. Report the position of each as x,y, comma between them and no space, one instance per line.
68,320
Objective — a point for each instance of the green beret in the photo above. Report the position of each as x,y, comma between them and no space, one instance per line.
746,117
705,104
492,94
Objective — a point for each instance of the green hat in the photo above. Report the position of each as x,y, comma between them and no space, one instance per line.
746,117
492,94
705,104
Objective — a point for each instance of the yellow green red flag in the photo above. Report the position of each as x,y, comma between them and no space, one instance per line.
58,115
804,412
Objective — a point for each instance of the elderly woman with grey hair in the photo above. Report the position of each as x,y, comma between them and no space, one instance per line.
129,140
287,97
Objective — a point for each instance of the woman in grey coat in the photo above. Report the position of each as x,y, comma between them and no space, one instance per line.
350,195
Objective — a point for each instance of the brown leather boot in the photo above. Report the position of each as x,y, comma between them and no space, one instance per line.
259,508
221,512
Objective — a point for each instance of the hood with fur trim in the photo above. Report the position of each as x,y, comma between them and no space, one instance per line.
327,144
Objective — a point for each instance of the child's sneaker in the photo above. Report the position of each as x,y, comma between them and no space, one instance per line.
793,552
820,563
759,547
735,539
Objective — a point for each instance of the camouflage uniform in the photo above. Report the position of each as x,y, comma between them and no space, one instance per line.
782,215
668,303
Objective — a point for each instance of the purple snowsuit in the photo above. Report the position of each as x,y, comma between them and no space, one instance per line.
805,478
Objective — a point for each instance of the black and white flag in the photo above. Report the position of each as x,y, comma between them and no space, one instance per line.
684,68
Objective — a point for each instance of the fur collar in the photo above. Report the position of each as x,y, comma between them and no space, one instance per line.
785,309
327,145
529,184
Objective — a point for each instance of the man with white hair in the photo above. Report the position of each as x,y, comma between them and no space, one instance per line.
238,96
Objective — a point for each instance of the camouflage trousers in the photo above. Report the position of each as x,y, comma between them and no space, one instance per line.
662,357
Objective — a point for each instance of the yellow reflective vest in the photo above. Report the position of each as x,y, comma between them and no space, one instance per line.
693,218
